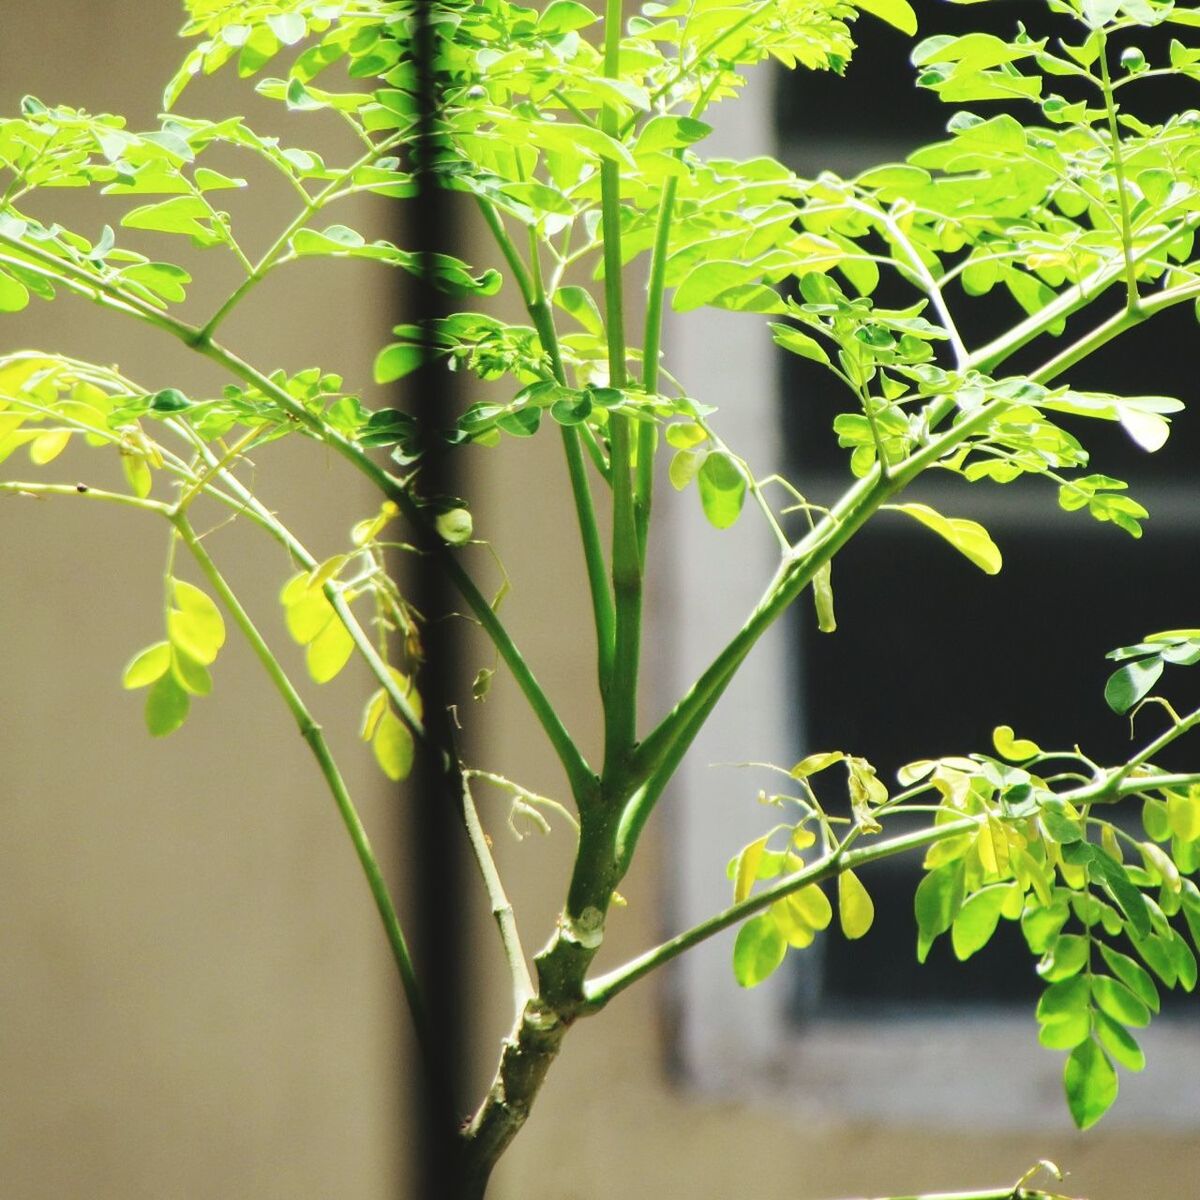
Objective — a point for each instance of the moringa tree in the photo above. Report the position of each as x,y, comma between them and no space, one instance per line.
575,136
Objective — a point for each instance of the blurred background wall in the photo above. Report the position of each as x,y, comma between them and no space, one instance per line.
195,998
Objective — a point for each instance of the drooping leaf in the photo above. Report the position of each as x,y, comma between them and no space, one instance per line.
976,921
856,910
393,746
722,486
758,951
1090,1083
967,537
166,706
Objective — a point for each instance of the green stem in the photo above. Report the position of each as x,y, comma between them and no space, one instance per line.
651,352
37,490
537,304
620,687
1117,324
987,358
1114,132
598,992
661,752
315,738
603,616
577,770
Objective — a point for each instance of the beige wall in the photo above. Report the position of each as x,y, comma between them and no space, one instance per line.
195,999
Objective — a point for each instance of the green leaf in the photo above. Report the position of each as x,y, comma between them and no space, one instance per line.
936,904
1114,998
758,951
393,746
1118,884
1120,1043
976,921
1090,1083
895,12
722,487
579,303
1065,958
856,910
1133,975
967,537
1068,1033
1126,686
189,674
147,666
1063,1001
799,343
180,214
166,706
562,16
1040,925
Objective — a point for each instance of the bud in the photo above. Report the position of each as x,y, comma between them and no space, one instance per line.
454,526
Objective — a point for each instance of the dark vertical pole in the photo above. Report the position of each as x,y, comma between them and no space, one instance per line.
437,855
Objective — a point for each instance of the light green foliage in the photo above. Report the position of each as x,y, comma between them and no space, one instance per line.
177,669
579,137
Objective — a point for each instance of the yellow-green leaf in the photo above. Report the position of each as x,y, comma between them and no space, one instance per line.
856,910
816,762
822,586
895,12
393,746
747,869
308,614
329,651
1009,746
1183,815
797,932
46,447
137,474
192,676
373,712
969,538
812,906
195,627
147,666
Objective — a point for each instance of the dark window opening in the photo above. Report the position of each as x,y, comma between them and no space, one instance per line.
930,654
